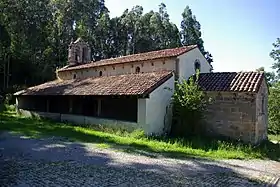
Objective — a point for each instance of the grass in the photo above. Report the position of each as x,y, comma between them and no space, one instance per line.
136,142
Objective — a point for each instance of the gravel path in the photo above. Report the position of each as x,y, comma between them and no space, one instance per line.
57,162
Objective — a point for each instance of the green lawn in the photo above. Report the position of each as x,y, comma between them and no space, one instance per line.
137,143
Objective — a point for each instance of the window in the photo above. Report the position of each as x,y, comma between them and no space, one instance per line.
197,65
74,76
100,73
137,70
152,64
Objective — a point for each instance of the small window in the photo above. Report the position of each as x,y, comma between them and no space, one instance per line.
152,64
113,67
197,65
137,70
100,73
74,76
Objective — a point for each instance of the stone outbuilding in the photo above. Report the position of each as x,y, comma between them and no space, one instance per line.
239,104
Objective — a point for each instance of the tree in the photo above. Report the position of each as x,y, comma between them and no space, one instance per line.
35,34
189,105
275,54
191,33
274,109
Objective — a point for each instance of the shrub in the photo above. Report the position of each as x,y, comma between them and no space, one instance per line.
189,105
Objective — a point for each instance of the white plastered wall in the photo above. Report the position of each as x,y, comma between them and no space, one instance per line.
120,69
186,63
157,115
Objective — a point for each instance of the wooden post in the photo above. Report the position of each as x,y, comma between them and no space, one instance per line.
98,107
70,105
48,105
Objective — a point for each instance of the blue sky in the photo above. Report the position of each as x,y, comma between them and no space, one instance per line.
238,33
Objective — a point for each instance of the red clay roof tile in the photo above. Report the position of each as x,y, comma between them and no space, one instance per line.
128,84
231,81
166,53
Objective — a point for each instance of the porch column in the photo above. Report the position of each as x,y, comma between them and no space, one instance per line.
70,105
48,105
98,107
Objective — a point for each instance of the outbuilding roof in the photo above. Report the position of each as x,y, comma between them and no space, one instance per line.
231,81
128,84
166,53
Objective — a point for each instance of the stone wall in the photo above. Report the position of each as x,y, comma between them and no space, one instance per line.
232,115
262,113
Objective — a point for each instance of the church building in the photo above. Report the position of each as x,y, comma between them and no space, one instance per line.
135,91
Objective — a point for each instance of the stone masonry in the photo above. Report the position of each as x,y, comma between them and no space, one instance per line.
232,115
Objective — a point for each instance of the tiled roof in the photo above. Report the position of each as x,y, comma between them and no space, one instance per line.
166,53
129,84
231,81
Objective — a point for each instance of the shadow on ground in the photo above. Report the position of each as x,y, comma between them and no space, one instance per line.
52,162
38,128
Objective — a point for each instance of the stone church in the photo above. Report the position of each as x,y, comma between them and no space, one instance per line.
130,92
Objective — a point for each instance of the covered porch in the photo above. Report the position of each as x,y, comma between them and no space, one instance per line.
119,108
132,101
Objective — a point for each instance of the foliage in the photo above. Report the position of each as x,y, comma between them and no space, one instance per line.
274,96
274,109
275,55
168,147
34,35
272,137
189,105
191,33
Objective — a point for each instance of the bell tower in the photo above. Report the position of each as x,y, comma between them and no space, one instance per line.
79,52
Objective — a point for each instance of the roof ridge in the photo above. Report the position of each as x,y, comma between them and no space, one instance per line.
138,54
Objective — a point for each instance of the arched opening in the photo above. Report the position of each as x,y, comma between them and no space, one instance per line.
197,65
100,73
137,70
74,76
